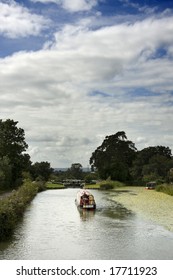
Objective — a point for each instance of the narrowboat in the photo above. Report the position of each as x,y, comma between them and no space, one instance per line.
85,200
150,185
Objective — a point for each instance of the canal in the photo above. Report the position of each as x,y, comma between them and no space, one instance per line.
54,228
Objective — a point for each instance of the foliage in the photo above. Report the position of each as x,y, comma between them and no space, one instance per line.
5,173
90,177
12,157
165,188
114,157
41,171
12,207
152,163
75,172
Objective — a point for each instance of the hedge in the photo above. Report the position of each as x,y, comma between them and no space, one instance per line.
13,207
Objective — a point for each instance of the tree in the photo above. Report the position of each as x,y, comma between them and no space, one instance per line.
12,147
5,173
114,157
152,162
41,171
75,171
12,139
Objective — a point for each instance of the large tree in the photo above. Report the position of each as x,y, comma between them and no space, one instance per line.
114,157
12,148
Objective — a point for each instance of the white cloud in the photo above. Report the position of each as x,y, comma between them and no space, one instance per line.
72,6
84,86
18,21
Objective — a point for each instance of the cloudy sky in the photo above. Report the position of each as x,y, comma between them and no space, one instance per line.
72,72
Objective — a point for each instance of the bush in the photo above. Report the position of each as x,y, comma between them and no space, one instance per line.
165,188
12,207
41,185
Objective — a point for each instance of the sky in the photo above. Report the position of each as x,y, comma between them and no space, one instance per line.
73,72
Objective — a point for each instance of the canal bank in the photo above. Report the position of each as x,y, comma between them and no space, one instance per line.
149,204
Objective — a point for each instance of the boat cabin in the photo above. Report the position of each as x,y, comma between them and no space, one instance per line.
150,185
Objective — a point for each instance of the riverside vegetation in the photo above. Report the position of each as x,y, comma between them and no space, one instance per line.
13,206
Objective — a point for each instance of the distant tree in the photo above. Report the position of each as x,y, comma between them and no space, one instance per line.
114,157
75,171
89,177
12,148
41,171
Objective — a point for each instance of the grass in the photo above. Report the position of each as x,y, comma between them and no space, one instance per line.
105,185
52,186
99,185
92,186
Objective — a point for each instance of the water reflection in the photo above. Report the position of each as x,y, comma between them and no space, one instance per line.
85,214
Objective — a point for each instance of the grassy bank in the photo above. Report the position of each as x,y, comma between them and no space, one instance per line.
13,207
105,185
52,186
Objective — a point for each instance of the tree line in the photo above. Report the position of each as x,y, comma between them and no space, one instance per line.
117,158
15,163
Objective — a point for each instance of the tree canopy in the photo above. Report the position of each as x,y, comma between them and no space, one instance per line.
14,162
12,156
117,158
114,157
152,163
41,171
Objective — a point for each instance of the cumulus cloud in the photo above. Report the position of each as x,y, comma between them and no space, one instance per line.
17,21
86,85
72,6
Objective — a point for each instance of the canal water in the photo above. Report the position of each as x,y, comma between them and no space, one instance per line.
54,228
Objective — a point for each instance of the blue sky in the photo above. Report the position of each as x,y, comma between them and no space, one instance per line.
72,72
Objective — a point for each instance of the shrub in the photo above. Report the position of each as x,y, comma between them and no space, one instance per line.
165,188
12,207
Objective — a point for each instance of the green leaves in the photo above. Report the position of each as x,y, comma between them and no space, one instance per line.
114,157
12,147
